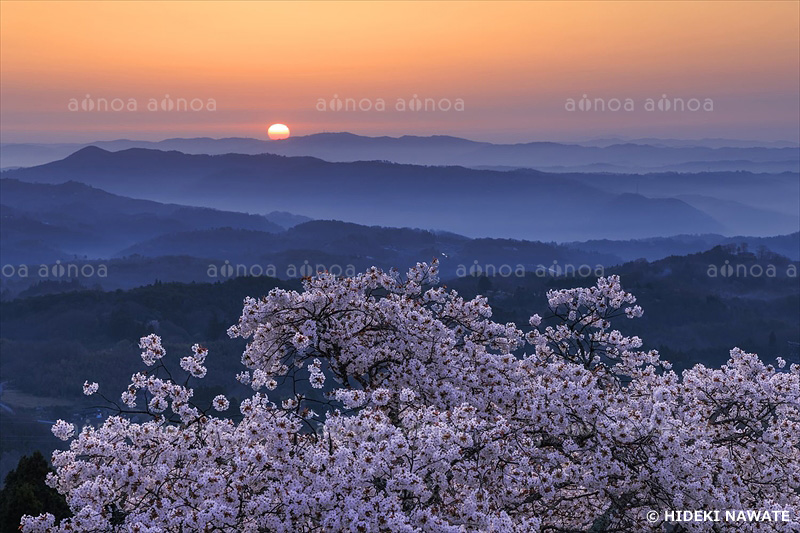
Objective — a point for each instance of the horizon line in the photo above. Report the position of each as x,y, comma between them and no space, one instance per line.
611,138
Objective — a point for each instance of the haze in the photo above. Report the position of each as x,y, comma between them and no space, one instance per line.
514,64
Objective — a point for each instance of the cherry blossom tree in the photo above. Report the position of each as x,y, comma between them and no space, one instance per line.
384,402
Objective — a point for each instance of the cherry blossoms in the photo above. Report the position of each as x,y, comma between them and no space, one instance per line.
387,403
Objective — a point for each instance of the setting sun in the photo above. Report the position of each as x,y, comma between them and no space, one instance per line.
278,131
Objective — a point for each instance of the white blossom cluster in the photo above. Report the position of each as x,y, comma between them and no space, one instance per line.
193,364
439,419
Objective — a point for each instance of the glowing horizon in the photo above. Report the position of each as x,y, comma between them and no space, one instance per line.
514,65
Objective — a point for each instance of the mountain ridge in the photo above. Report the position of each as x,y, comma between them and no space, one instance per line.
451,198
635,156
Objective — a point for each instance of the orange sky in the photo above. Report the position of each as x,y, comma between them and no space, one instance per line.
514,64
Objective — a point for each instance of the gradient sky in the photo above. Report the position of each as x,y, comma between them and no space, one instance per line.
514,65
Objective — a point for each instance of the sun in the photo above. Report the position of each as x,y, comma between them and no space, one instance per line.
278,131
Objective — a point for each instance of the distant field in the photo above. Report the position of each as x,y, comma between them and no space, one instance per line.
22,400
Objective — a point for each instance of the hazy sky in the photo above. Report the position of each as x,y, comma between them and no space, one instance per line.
514,65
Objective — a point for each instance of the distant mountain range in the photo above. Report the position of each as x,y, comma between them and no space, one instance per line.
658,248
50,222
715,142
520,204
140,241
602,155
